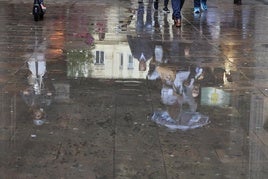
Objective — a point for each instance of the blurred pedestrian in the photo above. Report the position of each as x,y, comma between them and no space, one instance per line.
176,15
165,9
200,5
238,2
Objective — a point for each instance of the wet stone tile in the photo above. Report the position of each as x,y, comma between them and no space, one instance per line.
97,105
139,165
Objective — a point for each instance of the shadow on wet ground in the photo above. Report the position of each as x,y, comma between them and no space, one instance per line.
114,90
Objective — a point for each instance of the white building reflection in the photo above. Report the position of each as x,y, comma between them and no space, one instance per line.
106,61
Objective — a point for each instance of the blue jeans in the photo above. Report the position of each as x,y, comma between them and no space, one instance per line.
176,6
197,3
140,16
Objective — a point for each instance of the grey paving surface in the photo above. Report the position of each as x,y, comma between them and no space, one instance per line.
78,71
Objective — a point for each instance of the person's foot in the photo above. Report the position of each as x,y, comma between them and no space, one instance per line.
238,2
166,10
196,10
177,22
204,6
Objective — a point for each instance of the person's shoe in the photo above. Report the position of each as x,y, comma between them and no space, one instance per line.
196,10
238,2
43,7
166,10
204,6
177,22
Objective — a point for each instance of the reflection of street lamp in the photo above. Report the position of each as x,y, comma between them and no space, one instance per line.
214,97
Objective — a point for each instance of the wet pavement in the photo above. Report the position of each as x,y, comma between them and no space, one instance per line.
112,89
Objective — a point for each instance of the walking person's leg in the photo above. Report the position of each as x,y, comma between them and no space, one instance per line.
149,20
181,2
197,5
165,9
176,15
204,6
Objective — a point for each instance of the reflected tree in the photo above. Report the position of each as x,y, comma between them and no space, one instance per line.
80,63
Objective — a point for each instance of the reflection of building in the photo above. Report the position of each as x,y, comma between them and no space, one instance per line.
110,57
107,61
118,62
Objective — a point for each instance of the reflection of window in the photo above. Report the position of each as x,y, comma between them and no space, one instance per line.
99,57
130,62
121,60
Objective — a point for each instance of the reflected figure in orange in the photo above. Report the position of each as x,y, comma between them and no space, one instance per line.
181,106
179,91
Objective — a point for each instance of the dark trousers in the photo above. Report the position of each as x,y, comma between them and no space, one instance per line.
176,6
166,3
198,2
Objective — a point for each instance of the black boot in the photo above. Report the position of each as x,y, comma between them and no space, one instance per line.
238,2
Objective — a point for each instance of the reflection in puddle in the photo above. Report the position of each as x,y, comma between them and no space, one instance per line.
178,93
38,95
184,120
80,63
214,97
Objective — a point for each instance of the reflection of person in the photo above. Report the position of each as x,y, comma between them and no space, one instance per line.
176,89
37,96
175,116
185,92
141,26
141,45
166,29
141,49
38,69
179,87
172,77
200,4
176,15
